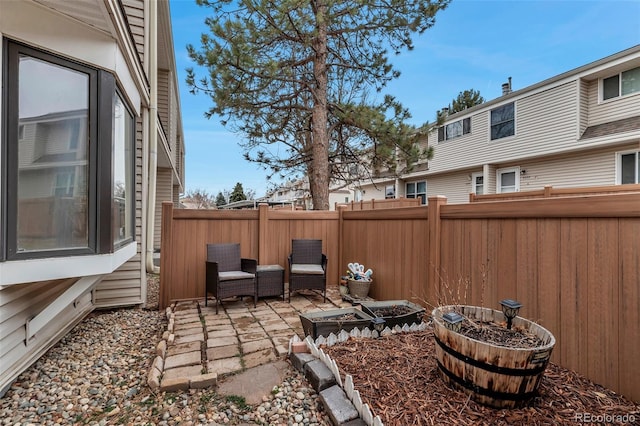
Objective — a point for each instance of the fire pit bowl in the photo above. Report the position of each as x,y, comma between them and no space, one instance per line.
492,374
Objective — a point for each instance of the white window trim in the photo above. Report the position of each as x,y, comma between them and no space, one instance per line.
499,173
473,182
601,80
618,167
54,268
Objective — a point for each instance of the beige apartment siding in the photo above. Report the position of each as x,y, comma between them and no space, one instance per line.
455,186
173,118
134,10
584,106
545,124
582,169
164,101
612,109
18,304
127,285
164,192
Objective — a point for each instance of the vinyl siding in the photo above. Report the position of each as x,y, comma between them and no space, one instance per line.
545,123
164,192
584,107
456,187
612,109
163,101
20,303
127,285
134,9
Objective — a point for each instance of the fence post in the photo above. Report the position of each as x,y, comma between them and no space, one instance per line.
547,191
165,253
263,219
433,276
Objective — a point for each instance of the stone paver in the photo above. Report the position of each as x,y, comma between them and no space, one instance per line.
238,338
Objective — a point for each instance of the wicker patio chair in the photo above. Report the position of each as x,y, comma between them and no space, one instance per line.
307,267
228,274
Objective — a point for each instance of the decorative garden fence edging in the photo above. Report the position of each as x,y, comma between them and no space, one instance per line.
347,384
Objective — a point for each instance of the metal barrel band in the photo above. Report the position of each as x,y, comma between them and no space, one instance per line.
484,391
490,367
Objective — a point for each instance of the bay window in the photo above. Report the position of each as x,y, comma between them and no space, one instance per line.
69,160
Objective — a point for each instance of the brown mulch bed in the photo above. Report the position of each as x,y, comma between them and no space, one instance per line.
397,376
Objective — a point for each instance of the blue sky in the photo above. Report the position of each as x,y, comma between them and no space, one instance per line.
475,44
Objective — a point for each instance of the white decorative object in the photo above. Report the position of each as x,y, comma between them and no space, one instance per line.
331,340
348,386
355,333
377,421
366,415
343,336
366,333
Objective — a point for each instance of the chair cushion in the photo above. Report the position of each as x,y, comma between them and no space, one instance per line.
234,275
306,269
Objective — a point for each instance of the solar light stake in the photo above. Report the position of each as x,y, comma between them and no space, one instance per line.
510,310
453,321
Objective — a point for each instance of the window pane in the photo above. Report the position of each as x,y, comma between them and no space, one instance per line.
479,185
454,129
508,182
628,168
52,156
411,190
122,174
466,125
610,87
631,81
503,121
421,187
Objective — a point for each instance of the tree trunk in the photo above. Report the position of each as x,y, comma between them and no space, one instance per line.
319,166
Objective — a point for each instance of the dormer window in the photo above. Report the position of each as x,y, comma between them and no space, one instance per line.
625,83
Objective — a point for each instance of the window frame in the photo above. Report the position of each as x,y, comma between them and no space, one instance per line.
443,134
474,183
102,93
500,172
620,95
619,156
415,193
513,119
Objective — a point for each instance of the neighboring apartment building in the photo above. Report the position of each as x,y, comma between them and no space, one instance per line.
92,144
297,193
578,129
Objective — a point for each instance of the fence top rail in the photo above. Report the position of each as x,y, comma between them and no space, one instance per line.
550,191
199,214
302,215
399,213
604,205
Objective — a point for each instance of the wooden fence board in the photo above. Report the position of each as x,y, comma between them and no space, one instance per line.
629,311
602,296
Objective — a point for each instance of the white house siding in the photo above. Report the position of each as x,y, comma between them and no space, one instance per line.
612,109
584,106
18,304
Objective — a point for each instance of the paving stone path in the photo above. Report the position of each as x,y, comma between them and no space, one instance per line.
200,345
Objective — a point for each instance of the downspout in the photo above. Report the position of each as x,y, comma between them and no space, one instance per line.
153,134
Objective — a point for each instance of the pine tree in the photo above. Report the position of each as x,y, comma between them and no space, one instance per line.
220,200
465,100
237,194
297,74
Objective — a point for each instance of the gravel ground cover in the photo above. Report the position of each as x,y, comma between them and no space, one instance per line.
97,375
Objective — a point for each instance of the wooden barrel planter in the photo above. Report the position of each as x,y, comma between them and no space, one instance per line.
493,375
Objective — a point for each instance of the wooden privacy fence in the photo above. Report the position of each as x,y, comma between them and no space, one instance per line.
574,263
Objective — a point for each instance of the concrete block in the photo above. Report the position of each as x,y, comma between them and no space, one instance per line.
300,360
174,384
319,375
153,379
204,381
258,358
183,360
224,366
221,352
183,347
158,363
221,341
337,406
161,349
182,373
188,338
256,345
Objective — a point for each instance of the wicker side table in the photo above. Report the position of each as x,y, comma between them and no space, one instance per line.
270,280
